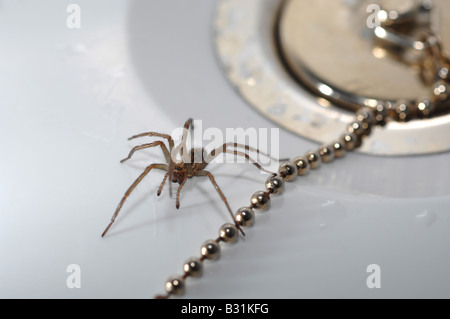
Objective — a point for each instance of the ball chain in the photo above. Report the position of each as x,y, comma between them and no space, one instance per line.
366,118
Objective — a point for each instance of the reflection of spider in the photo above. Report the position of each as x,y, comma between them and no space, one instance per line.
188,167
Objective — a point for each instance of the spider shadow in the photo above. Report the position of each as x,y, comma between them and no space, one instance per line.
208,192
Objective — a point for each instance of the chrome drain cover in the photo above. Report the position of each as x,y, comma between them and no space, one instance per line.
245,38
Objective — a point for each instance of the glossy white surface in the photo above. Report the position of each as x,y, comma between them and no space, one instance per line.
70,98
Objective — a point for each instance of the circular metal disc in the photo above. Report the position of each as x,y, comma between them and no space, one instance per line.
246,44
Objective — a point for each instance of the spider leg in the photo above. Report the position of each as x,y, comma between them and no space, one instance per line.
214,153
178,192
131,188
187,126
213,181
168,137
171,168
162,184
251,160
182,146
256,150
148,145
249,148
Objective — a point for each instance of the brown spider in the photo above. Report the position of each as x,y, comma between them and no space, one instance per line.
188,167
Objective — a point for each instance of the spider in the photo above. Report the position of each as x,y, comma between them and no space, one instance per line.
179,171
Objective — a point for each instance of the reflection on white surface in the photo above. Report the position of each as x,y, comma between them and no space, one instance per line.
70,98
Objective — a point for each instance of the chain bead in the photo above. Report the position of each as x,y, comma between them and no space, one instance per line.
302,165
175,285
441,91
443,73
425,108
313,159
210,250
326,153
260,200
403,109
366,115
245,217
360,129
356,128
288,171
381,114
193,267
228,233
350,141
338,148
275,185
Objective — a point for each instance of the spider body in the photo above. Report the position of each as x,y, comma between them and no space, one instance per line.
178,171
184,170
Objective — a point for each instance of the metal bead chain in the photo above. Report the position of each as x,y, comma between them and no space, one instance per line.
351,139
